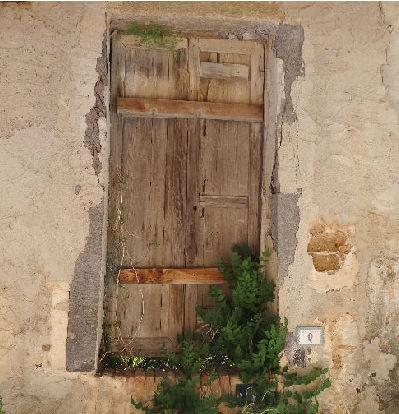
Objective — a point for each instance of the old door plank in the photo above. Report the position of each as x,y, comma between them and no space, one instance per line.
145,346
226,46
175,108
149,225
193,65
196,276
223,201
189,181
254,185
194,229
257,74
115,180
174,211
223,172
223,70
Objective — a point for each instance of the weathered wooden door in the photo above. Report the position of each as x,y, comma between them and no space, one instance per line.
185,178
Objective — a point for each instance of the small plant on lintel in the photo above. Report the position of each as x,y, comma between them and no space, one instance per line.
152,36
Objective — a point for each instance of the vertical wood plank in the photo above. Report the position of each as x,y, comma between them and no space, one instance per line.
254,185
194,68
175,217
194,221
257,74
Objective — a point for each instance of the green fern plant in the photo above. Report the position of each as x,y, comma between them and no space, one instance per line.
243,334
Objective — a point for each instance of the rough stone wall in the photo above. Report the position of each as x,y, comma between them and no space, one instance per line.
338,192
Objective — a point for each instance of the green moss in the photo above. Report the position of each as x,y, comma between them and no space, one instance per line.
152,36
2,411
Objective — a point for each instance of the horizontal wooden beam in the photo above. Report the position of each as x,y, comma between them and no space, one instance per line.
171,108
211,70
192,276
223,201
241,47
147,346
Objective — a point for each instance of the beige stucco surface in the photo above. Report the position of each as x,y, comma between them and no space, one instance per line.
342,153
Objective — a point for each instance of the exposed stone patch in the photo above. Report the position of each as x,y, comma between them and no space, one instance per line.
284,229
85,296
328,247
92,133
288,46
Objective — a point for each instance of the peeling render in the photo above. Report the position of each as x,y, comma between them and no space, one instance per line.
92,134
288,45
335,132
84,300
285,228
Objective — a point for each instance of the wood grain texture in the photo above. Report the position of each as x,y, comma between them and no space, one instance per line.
148,346
185,154
173,108
223,201
223,70
226,46
186,276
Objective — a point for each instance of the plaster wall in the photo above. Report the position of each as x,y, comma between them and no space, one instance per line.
337,188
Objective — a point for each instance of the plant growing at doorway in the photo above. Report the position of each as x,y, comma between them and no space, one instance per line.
2,411
152,36
241,333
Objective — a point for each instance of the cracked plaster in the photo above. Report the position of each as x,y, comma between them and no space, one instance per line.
341,151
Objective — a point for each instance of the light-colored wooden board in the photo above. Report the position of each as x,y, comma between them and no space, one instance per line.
223,71
186,276
174,108
257,74
226,46
193,65
224,227
223,201
224,159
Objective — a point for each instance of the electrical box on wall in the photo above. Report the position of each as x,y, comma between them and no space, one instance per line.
310,335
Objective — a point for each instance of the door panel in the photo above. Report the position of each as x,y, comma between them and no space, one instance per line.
185,189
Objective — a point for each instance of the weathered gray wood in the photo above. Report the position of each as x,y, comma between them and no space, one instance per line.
147,186
257,74
223,70
223,201
254,185
193,65
226,46
194,230
189,187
